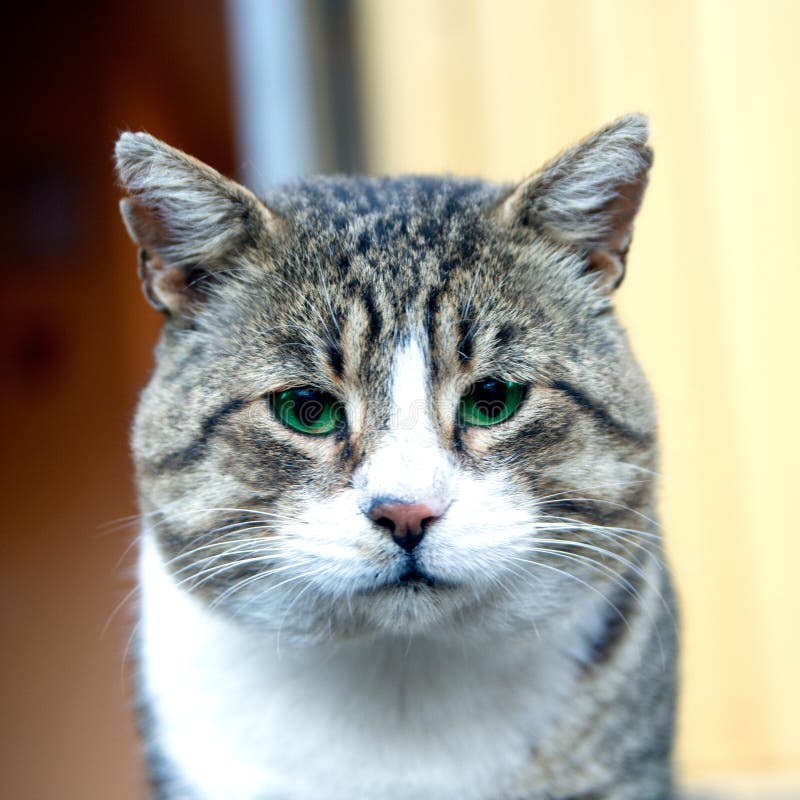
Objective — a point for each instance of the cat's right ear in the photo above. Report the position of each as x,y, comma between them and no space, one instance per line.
189,221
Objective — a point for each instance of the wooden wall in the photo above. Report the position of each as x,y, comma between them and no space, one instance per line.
494,87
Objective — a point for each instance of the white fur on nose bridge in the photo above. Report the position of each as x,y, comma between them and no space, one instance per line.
410,417
409,464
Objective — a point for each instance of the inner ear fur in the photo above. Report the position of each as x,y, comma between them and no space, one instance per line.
190,222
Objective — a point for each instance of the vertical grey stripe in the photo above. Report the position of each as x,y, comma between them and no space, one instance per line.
338,92
271,58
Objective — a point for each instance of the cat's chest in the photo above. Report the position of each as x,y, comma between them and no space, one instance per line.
384,721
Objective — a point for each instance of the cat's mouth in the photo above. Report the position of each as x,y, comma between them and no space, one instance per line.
413,578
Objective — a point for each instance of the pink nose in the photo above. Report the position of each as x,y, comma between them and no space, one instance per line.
406,521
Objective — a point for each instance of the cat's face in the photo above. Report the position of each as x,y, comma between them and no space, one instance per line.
391,406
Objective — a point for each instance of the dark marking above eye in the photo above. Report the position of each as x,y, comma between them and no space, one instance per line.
336,358
504,334
466,344
432,310
374,318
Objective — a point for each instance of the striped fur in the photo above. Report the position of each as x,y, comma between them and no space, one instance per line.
284,650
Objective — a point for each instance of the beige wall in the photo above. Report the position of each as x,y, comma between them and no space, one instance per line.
494,87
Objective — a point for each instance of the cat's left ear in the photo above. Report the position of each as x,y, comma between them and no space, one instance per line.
588,197
190,222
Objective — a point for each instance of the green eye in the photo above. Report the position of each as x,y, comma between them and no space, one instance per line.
489,402
308,410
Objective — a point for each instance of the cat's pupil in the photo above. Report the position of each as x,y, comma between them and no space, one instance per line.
309,407
490,390
490,397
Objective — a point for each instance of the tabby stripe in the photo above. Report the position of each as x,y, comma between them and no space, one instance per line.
336,358
432,306
195,451
466,345
601,414
615,623
597,513
375,321
635,502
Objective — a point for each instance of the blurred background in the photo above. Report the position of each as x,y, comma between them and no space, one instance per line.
266,90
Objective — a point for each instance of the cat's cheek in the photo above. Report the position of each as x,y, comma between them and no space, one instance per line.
288,459
488,523
333,529
486,450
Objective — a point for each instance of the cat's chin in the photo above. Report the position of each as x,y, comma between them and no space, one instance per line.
414,604
410,599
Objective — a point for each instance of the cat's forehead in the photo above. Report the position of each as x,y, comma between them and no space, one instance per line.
408,249
390,206
364,265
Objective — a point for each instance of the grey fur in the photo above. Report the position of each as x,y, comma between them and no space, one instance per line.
321,284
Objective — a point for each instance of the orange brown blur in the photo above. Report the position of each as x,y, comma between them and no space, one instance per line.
75,342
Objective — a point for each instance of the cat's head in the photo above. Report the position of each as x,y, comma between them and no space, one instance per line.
392,405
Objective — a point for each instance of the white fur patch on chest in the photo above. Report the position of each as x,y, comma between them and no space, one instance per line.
384,720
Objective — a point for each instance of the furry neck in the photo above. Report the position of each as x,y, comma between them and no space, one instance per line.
242,715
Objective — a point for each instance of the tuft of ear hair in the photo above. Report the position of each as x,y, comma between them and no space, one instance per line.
588,197
187,219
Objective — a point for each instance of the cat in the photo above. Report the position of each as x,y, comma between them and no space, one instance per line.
396,467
